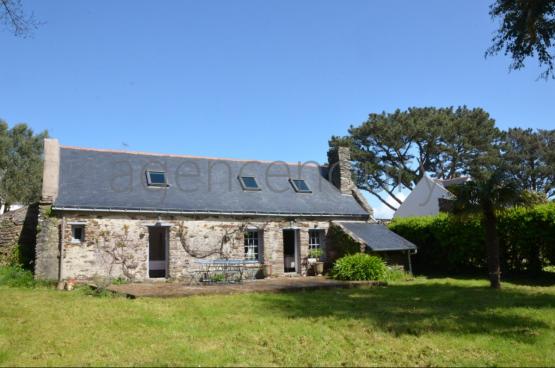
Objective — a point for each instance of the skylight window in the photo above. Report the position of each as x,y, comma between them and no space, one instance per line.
156,179
249,183
300,186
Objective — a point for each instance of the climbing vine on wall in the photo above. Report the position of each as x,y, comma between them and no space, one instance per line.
116,252
230,236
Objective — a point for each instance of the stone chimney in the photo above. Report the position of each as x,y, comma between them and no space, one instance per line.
340,175
51,170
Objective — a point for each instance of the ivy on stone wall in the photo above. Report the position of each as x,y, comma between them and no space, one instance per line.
342,244
18,237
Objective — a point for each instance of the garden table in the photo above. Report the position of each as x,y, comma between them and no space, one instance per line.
222,270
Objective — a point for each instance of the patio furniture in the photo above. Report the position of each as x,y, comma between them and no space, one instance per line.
226,271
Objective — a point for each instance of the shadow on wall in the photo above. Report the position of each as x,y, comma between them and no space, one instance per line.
18,236
418,309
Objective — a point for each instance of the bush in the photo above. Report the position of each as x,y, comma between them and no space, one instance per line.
450,244
16,276
396,273
358,267
315,253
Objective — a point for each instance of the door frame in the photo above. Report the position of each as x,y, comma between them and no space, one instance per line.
296,247
166,233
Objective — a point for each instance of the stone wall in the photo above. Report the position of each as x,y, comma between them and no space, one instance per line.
47,251
18,236
117,245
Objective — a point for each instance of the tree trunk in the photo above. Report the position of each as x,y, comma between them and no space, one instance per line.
492,246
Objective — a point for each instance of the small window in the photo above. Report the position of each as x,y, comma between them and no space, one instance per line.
77,233
300,186
314,239
251,245
156,179
249,183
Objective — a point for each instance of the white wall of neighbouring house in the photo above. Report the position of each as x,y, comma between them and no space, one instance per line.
13,207
423,200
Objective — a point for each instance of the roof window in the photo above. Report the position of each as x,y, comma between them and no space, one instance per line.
300,186
249,183
156,179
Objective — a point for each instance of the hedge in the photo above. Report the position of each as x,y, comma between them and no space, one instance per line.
448,243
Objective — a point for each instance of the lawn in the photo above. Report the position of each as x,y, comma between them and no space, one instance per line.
423,322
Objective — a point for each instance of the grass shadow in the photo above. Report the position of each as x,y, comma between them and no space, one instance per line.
417,309
525,279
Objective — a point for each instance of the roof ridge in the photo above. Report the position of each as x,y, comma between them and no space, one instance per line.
142,153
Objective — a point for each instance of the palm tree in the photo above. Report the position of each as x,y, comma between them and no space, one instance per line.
488,194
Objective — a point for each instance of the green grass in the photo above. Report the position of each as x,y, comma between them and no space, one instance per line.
423,322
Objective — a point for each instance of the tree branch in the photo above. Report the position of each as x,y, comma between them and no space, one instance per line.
381,199
13,16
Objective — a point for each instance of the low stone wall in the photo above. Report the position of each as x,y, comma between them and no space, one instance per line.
117,245
18,236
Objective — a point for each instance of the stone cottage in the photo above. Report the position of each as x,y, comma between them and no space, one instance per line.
143,216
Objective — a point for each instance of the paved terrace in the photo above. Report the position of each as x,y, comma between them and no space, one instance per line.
177,289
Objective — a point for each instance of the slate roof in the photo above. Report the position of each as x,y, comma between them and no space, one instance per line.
454,181
376,237
116,181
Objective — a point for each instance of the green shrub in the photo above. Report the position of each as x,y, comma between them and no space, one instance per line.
218,277
396,273
450,244
359,266
16,276
315,253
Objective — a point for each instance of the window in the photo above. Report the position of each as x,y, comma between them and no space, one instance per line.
249,183
300,186
314,239
251,244
77,233
156,179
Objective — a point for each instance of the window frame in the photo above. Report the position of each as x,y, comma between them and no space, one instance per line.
251,242
296,187
246,187
74,239
311,243
149,181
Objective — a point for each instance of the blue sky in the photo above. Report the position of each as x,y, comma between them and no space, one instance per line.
255,79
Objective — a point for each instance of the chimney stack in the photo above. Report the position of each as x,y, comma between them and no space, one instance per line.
51,170
340,175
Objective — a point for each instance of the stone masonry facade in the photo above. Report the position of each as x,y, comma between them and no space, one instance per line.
117,245
18,235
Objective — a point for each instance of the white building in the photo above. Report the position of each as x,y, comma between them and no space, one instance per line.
13,207
424,198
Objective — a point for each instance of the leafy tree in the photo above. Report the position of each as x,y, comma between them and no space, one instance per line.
531,156
20,164
392,151
527,29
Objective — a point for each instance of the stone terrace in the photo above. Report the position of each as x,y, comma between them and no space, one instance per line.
280,284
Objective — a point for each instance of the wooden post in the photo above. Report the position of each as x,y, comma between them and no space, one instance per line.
61,283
